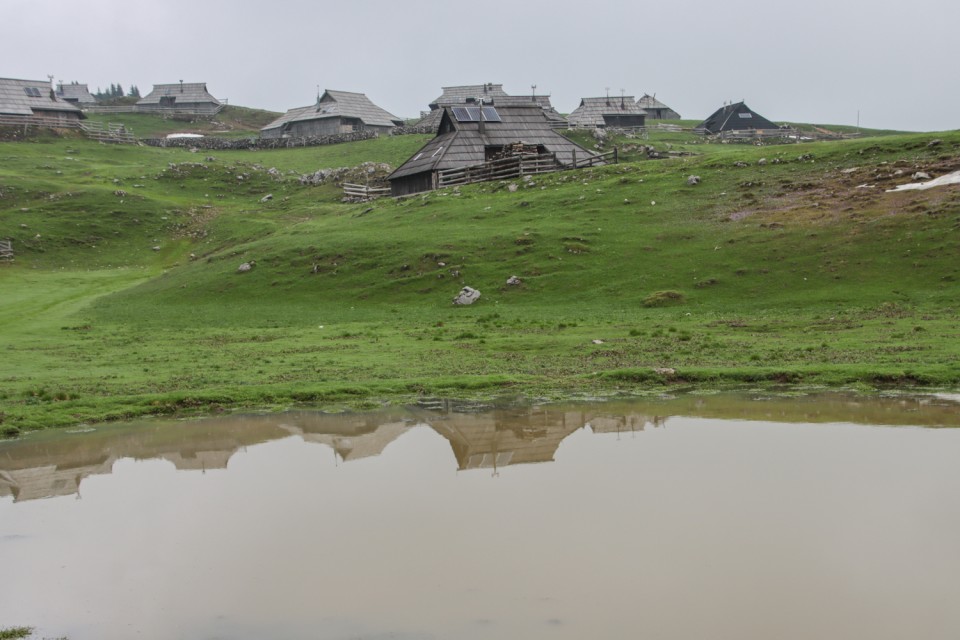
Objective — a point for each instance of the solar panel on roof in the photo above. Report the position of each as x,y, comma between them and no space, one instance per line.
490,115
462,114
473,114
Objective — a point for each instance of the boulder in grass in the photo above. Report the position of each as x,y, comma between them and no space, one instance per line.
467,295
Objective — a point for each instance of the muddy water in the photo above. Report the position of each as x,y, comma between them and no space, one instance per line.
694,517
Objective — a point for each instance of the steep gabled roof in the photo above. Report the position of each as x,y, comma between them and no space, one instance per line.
591,110
734,117
357,105
460,95
188,92
76,92
461,143
648,102
432,118
26,97
339,104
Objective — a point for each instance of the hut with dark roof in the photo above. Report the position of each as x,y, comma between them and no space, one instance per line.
466,94
334,112
473,135
189,97
734,117
76,93
597,113
655,109
33,100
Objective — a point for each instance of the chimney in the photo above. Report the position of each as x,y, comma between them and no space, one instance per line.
181,86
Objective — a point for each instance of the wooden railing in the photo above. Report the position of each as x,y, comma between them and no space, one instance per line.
510,167
364,192
593,160
108,132
38,121
6,250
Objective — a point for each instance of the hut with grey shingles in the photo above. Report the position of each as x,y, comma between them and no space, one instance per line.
473,135
655,109
76,93
598,113
466,94
33,99
184,97
334,112
734,117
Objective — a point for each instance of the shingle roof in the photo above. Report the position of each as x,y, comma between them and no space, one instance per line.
735,117
339,104
462,144
648,102
432,118
14,100
460,95
189,92
76,92
591,110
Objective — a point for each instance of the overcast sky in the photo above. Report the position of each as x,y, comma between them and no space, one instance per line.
814,61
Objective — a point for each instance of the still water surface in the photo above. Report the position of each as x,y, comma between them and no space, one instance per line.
694,517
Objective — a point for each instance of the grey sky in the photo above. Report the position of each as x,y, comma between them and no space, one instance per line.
813,61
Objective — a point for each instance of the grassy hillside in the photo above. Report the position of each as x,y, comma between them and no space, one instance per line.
230,122
785,264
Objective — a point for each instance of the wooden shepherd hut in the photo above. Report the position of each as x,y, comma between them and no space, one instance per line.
188,98
76,93
472,135
655,109
334,112
734,117
597,113
461,95
33,101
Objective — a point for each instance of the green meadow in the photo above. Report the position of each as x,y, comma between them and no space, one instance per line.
786,265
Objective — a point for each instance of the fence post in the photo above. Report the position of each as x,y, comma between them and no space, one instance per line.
616,156
574,158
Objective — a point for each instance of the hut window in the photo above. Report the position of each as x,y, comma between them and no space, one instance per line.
418,156
439,149
167,101
745,115
33,92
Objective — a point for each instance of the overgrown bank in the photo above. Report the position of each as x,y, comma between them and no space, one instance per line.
783,265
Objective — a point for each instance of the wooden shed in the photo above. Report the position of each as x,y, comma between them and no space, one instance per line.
734,117
33,101
655,109
333,113
472,135
597,113
183,97
76,93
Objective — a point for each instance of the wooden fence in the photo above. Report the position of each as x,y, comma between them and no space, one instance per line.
610,157
38,121
501,169
517,166
109,132
164,112
6,250
364,192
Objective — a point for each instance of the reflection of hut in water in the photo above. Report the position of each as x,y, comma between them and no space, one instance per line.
54,464
351,436
504,437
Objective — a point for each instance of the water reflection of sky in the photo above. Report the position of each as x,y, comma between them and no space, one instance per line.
400,526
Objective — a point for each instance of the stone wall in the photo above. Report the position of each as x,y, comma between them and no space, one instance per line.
212,143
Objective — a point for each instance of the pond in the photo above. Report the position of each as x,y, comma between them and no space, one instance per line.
697,516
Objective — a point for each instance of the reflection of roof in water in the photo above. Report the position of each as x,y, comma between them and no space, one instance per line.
54,463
